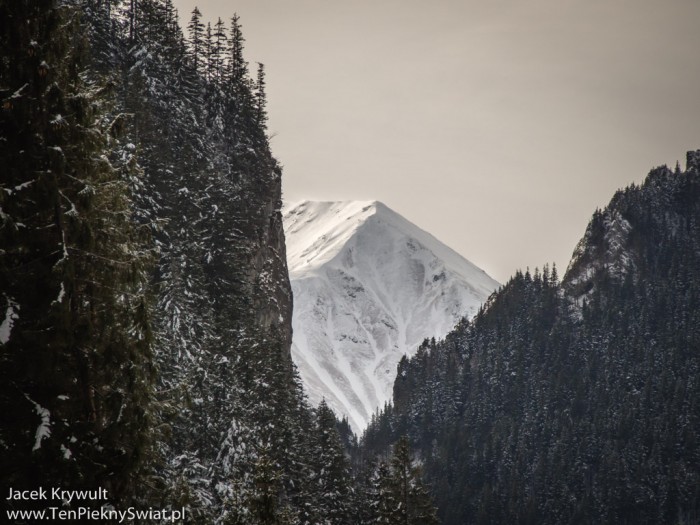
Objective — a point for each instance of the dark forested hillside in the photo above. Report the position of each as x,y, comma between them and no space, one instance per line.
75,348
237,442
575,401
146,307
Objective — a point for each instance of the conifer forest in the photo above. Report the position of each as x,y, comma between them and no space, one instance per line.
145,317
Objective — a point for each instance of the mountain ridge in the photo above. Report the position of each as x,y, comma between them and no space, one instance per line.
368,287
571,401
373,210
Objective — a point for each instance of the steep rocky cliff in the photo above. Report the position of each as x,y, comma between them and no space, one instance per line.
208,187
147,314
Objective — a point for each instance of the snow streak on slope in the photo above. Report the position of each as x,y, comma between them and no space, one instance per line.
368,287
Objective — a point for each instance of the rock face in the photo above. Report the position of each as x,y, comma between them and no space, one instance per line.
368,287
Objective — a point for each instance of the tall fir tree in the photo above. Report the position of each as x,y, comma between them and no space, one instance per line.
332,478
75,364
209,64
197,41
237,65
219,45
404,499
261,97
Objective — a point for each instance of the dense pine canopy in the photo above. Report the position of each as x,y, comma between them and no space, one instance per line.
573,401
76,363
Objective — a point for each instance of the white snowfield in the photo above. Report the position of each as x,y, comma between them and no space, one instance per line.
369,286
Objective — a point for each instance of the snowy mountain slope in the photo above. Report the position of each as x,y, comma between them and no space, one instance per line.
368,287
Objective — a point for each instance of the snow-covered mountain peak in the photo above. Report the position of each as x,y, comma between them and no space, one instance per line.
368,287
321,229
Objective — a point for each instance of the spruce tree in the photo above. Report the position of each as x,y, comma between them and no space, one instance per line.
75,364
264,502
332,478
238,67
261,98
197,40
403,498
219,45
208,54
386,503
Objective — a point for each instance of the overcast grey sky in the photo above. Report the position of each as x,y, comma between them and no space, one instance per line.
496,125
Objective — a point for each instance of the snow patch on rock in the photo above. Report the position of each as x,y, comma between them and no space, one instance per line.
11,316
44,429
